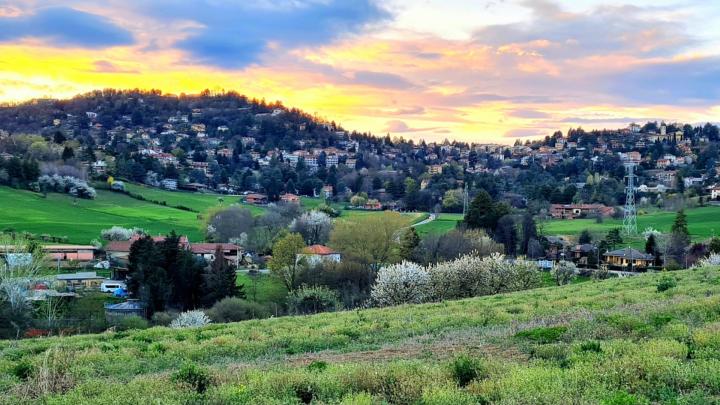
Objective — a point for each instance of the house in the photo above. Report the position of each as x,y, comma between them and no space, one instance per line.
573,211
231,253
290,198
85,279
120,249
327,191
715,192
581,254
629,259
70,253
99,167
556,247
316,254
435,169
256,199
169,184
116,312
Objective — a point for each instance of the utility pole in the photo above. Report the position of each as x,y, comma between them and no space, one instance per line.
465,200
630,214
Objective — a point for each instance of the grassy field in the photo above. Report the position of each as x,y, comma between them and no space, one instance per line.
619,341
444,223
82,220
262,287
703,223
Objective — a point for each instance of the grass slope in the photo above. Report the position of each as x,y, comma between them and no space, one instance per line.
82,220
619,341
444,223
703,223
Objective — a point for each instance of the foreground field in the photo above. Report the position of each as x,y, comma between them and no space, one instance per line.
620,341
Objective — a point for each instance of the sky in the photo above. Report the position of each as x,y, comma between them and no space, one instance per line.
486,71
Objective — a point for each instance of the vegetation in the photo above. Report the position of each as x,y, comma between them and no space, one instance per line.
596,342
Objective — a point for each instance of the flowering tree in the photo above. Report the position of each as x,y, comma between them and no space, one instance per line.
563,272
190,319
20,266
402,283
314,226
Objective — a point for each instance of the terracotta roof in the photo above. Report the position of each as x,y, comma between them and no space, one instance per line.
318,250
210,247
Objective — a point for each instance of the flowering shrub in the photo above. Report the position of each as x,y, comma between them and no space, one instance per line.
68,185
712,260
468,276
190,319
402,283
563,272
119,233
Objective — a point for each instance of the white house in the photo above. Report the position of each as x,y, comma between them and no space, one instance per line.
316,254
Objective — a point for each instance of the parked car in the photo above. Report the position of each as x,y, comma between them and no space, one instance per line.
110,286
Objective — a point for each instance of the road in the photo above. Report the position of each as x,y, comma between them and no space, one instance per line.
425,221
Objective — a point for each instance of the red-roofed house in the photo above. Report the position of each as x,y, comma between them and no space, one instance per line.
290,198
317,254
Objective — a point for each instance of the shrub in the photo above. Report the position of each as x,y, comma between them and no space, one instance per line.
563,272
313,300
132,322
119,233
194,376
190,319
542,334
66,184
621,398
591,346
666,283
402,283
465,369
163,318
232,309
22,370
317,365
711,261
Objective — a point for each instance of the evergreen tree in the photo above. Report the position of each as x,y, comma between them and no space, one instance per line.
529,233
409,242
585,237
506,233
148,280
220,280
68,153
478,213
680,225
613,238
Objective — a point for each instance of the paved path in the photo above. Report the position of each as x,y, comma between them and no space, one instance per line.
429,219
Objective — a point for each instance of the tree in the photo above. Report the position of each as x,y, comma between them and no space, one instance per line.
679,238
68,153
21,264
563,272
408,243
314,226
714,245
147,281
506,233
613,238
220,280
284,263
529,233
374,240
453,201
402,283
680,225
224,224
585,237
479,213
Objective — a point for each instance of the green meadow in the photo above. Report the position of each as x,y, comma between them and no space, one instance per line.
82,220
442,224
653,338
703,223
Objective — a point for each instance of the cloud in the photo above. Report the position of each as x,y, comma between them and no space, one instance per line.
235,34
528,113
64,27
379,79
557,34
396,126
104,66
524,133
414,110
690,81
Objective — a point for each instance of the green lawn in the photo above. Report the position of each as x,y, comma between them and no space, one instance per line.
262,287
444,223
618,341
82,220
197,201
703,223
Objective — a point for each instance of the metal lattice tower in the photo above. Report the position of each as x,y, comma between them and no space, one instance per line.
630,217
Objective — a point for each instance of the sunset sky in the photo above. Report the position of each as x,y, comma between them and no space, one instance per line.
483,71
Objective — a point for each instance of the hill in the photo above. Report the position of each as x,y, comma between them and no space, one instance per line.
619,341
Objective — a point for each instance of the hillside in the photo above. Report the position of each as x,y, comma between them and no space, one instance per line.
703,223
618,341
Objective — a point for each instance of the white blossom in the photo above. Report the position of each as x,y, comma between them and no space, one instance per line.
190,319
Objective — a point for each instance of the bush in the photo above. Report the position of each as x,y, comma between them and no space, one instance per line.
163,318
313,300
563,272
132,322
196,377
190,319
402,283
465,369
66,184
232,309
119,233
666,283
543,334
